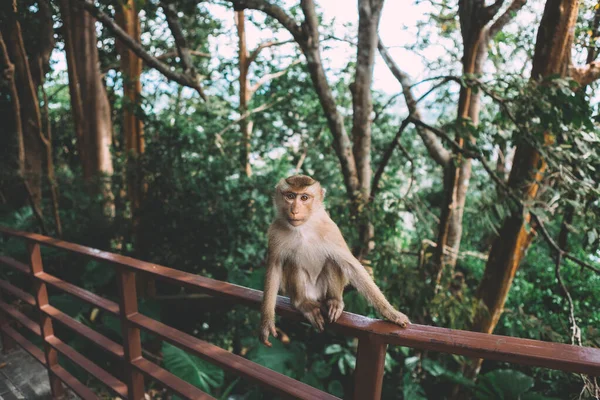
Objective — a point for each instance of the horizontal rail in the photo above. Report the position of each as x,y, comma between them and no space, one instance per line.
473,344
76,291
20,318
172,382
14,264
101,341
80,389
18,293
113,384
272,380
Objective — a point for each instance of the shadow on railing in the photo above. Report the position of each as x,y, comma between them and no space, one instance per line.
373,335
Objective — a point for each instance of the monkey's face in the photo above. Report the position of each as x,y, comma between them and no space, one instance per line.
297,205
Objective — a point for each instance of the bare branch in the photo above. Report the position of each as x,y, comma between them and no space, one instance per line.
434,147
273,11
256,110
490,11
265,45
386,157
269,77
506,17
151,61
180,42
586,74
174,53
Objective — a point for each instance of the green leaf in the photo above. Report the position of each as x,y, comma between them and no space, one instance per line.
288,360
333,348
504,384
336,388
321,369
192,369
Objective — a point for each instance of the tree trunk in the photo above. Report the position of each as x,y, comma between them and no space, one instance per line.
245,123
551,56
90,104
133,128
369,14
31,148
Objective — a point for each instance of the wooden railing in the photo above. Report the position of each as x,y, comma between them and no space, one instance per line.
373,335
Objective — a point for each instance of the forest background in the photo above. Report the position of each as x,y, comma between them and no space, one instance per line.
458,142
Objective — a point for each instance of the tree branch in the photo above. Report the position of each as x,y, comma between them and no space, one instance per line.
434,147
174,53
254,55
274,11
180,42
182,79
386,157
268,77
586,74
506,17
479,157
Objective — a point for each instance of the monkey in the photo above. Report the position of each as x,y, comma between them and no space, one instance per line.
309,260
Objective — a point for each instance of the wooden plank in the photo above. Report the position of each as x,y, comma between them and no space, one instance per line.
172,382
85,295
25,344
86,332
79,388
14,264
370,364
113,384
20,318
265,377
17,292
132,342
46,328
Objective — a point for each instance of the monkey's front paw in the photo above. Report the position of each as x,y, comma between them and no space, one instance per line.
266,328
334,309
315,318
399,319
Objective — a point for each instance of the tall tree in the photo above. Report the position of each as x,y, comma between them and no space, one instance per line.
353,154
133,128
552,57
89,100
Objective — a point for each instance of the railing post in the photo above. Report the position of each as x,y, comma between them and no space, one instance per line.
368,375
132,343
46,328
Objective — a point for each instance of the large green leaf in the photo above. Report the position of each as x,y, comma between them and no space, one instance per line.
286,359
504,384
192,369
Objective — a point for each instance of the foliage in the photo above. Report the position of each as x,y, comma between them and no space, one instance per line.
199,215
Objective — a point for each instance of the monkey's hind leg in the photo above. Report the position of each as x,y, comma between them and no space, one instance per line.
333,281
297,288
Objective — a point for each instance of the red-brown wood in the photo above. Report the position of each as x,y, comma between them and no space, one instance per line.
370,363
7,342
172,382
132,343
373,335
87,296
47,330
86,332
269,379
16,292
14,264
113,384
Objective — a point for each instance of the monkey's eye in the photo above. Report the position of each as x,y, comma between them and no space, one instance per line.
290,196
304,197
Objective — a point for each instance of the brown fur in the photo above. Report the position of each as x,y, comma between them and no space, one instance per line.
309,259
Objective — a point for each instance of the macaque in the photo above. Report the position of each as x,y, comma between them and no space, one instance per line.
310,261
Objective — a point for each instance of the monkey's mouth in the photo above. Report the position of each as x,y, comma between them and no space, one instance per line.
295,221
